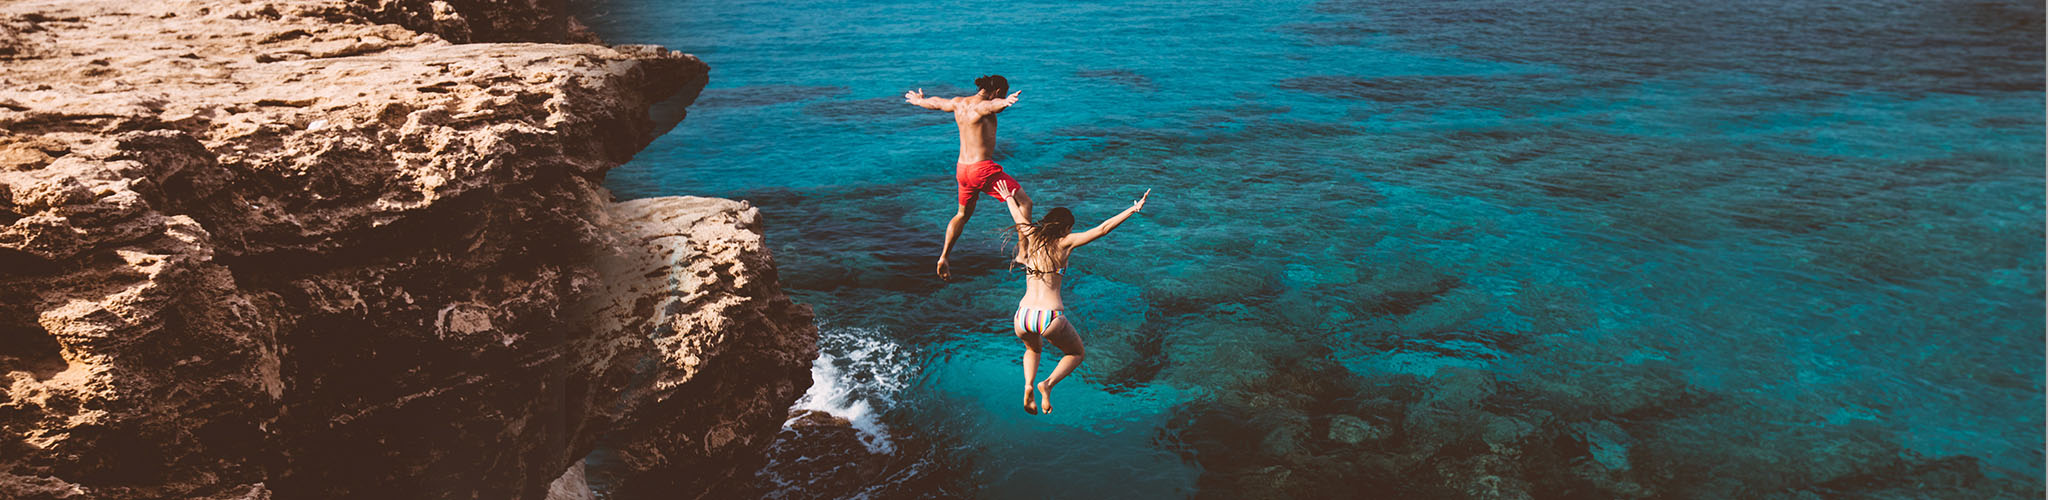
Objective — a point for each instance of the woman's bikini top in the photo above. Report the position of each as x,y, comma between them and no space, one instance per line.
1031,271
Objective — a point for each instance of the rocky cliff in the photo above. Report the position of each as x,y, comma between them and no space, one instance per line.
256,248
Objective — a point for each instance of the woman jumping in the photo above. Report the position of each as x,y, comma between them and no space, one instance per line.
1043,248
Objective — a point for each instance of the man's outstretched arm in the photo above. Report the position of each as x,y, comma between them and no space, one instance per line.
917,98
998,105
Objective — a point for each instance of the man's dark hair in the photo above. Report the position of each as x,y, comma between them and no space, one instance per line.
993,86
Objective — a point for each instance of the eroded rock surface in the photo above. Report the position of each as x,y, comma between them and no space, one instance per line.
734,357
275,247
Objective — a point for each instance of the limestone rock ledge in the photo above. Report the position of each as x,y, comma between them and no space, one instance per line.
734,355
256,248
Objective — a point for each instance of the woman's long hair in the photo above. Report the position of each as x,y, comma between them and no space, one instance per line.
1039,241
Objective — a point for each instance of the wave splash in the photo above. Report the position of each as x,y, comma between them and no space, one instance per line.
834,444
856,377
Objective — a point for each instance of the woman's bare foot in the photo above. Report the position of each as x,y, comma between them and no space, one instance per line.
1030,403
1044,398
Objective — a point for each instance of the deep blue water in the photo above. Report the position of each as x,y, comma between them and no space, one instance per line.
1406,248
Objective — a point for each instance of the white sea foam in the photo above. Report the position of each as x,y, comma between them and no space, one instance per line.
857,376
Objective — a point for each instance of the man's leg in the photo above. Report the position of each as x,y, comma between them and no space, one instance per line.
953,233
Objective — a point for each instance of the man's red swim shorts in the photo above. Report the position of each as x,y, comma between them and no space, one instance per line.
982,176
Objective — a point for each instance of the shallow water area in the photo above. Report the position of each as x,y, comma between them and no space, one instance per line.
1430,249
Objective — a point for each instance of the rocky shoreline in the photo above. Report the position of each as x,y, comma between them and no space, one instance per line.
324,248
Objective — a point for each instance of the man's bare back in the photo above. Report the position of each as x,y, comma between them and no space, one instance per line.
975,170
977,131
976,117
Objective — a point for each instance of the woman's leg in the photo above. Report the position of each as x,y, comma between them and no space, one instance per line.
1063,336
1031,348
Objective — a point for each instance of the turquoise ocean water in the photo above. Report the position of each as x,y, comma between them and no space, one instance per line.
1407,248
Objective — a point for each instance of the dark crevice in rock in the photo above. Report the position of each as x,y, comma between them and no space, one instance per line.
465,21
442,230
31,349
15,263
670,112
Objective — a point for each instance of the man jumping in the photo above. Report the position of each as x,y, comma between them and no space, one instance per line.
976,170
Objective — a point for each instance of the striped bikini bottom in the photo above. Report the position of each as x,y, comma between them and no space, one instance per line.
1036,320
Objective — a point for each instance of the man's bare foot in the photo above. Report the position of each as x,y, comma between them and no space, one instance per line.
1044,398
1030,402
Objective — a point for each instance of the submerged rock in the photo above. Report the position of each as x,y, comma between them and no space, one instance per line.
815,418
571,486
1282,439
1352,430
820,455
1607,442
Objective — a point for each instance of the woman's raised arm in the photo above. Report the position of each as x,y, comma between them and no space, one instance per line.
1009,192
1082,238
